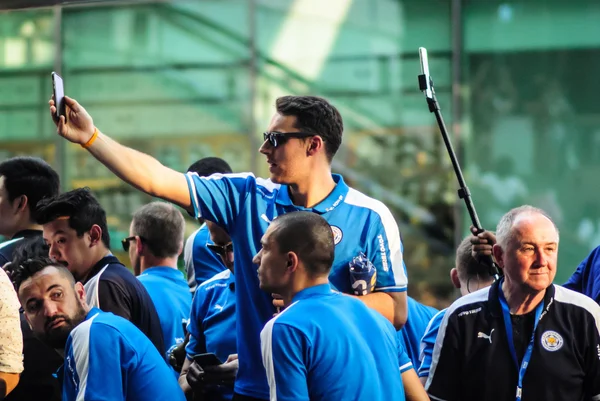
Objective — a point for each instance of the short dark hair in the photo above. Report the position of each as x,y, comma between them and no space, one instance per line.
317,116
29,176
209,166
468,267
82,208
309,236
30,267
162,228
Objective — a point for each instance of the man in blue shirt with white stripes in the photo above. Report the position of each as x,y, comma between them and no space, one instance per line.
302,139
324,345
410,335
155,242
106,356
200,262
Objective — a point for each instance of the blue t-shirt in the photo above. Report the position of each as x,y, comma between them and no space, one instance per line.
428,343
410,335
245,206
346,351
200,262
169,292
212,323
108,358
586,278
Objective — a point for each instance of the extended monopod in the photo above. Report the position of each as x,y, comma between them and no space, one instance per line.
426,85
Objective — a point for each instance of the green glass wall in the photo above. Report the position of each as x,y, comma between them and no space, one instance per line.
185,79
532,115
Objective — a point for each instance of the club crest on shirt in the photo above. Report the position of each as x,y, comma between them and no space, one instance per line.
552,341
337,234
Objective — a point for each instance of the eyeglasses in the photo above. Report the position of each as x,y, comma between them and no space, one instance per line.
126,242
279,138
221,250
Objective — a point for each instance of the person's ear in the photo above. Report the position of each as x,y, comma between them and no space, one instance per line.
139,245
454,278
292,262
315,143
80,293
22,203
498,255
95,235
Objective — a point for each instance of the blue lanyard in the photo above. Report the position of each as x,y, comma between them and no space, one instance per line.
511,344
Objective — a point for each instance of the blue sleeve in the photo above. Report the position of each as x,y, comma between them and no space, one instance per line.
428,343
197,342
385,251
100,373
403,360
586,278
219,197
283,349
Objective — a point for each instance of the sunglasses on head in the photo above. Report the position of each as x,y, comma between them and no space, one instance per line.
279,138
221,250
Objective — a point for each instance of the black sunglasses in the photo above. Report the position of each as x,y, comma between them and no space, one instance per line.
126,242
279,138
221,250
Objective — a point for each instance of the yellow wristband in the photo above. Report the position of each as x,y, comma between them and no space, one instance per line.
92,139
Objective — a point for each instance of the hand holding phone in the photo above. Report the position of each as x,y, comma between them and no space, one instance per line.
59,96
80,127
206,360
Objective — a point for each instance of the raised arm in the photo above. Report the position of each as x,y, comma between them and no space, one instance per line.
136,168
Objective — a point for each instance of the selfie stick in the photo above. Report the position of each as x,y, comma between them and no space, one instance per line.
426,85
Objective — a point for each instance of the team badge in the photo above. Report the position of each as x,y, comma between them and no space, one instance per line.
337,234
552,341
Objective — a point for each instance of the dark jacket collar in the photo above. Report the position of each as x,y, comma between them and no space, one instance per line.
494,298
110,259
27,233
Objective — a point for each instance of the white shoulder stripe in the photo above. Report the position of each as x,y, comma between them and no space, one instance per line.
224,275
92,291
81,348
427,330
266,345
269,185
567,296
12,241
472,298
390,227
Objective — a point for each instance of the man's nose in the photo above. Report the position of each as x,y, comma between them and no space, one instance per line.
53,252
50,309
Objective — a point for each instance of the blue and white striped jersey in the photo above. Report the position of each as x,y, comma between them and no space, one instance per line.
346,351
245,206
108,358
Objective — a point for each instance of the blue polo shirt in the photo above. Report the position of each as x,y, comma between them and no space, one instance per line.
428,343
172,299
245,206
410,335
586,278
212,323
346,351
200,262
108,358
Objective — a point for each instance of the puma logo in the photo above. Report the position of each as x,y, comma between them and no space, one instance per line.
487,337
